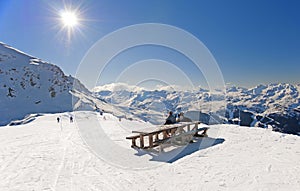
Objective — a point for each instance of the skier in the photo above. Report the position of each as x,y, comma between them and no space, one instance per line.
57,119
71,119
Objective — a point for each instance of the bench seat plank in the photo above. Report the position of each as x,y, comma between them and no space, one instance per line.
163,127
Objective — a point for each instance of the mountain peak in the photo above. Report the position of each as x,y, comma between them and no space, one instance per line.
263,105
30,85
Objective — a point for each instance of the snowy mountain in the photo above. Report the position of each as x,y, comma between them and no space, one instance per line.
30,85
277,105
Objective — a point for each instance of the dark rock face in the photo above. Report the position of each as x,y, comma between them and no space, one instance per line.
281,122
286,122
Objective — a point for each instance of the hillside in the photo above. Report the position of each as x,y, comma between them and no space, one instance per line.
30,85
45,155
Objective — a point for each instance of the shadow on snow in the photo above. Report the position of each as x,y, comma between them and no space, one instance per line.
180,151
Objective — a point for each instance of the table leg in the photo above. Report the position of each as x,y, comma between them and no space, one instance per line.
133,144
150,141
141,141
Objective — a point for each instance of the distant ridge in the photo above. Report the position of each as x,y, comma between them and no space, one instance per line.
275,105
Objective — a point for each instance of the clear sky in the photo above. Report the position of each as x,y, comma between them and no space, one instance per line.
253,41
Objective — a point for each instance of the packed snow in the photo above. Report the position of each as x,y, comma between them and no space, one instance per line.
45,155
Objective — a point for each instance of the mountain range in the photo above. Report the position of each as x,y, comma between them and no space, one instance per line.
274,106
30,85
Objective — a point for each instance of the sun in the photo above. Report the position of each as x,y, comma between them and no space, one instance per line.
69,18
70,22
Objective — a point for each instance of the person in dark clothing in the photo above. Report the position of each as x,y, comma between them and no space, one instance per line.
57,119
170,119
71,119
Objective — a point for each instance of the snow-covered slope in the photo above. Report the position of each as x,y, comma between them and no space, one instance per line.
275,104
45,155
267,99
30,85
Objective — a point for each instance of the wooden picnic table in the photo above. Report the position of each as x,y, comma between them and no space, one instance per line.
181,132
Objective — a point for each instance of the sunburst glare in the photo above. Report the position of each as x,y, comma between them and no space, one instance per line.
69,18
69,21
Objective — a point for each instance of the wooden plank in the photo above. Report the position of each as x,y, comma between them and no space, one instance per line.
132,136
173,131
165,135
150,141
158,142
177,129
141,141
133,144
160,128
196,126
184,136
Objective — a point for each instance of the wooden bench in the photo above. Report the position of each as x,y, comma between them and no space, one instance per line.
179,133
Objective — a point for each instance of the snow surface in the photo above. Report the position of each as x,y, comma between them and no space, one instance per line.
46,155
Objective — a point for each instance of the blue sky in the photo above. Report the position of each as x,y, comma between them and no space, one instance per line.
253,41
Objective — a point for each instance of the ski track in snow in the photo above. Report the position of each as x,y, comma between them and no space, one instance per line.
41,156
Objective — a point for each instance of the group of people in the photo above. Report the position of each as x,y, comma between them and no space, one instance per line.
171,119
71,119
